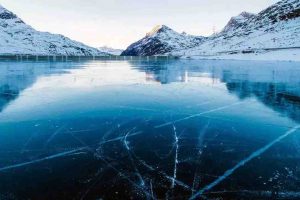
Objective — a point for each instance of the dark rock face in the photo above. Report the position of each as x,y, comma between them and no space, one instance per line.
291,15
7,15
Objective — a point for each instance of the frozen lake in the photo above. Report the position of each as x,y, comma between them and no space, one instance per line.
169,129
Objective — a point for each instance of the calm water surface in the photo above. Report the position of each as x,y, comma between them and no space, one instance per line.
149,130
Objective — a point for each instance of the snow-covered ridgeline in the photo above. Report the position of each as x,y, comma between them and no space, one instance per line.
275,28
162,40
16,37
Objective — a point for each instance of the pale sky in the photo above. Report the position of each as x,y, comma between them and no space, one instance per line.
118,23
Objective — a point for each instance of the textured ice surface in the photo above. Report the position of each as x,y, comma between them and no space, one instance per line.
149,130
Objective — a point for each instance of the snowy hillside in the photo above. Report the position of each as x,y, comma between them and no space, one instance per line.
162,40
275,28
237,21
111,51
16,37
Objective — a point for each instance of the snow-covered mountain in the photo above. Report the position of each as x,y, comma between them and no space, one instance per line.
111,51
16,37
277,27
235,22
162,40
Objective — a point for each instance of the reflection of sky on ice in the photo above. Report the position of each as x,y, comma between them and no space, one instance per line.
176,129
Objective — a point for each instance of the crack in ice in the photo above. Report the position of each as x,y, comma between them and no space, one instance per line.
244,161
126,177
197,115
115,169
170,178
120,138
126,144
66,153
151,190
176,156
59,130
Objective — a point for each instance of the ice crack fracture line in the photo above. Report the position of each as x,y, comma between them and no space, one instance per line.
66,153
120,138
197,115
243,162
176,156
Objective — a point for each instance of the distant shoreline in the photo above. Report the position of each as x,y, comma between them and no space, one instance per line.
282,54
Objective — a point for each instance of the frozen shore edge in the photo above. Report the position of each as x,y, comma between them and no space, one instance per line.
287,55
273,55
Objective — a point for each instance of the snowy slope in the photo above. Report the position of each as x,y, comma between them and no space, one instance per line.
237,21
267,55
16,37
275,28
162,40
111,51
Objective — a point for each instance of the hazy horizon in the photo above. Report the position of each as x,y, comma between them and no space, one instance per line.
117,23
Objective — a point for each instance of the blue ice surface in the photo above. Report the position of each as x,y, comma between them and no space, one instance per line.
149,129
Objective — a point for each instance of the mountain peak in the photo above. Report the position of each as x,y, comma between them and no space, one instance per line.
1,8
242,17
6,14
158,29
234,22
246,14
